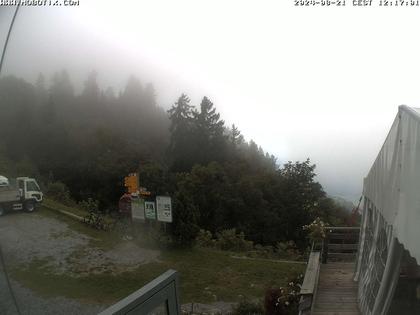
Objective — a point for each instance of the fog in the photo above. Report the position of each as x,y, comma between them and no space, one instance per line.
323,83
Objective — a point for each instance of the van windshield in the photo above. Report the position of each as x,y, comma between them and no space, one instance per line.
32,186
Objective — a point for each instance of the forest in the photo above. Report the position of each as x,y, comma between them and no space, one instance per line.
83,144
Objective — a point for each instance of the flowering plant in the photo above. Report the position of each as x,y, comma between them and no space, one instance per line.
316,229
284,300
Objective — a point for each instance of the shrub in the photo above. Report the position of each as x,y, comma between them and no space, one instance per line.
262,251
59,191
204,239
316,230
283,300
230,240
287,250
248,308
89,205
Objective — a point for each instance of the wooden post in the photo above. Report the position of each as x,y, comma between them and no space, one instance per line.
325,250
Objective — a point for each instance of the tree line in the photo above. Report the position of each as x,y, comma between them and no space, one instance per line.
90,140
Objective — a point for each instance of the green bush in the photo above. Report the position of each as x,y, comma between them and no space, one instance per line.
248,308
282,250
264,251
204,239
283,300
287,250
231,240
316,230
59,191
89,205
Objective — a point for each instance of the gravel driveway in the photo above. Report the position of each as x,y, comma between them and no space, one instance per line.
26,237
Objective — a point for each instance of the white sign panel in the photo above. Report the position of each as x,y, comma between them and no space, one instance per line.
150,210
137,208
164,208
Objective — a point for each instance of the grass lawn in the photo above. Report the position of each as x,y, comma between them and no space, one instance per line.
52,204
206,275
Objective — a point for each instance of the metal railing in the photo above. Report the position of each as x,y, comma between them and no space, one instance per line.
158,297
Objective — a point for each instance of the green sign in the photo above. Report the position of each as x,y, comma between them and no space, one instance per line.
150,210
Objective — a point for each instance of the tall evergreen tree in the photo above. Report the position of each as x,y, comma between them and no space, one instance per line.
209,133
208,120
48,112
236,137
133,92
180,150
41,90
149,96
61,86
91,90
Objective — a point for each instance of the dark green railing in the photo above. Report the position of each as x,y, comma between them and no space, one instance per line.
158,297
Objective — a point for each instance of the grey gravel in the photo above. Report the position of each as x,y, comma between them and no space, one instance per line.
215,308
25,237
32,304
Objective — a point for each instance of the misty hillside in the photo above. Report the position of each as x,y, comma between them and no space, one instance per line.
81,146
344,203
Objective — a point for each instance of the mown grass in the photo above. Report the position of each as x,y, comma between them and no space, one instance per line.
206,275
50,203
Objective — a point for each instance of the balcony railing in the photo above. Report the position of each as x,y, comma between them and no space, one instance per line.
158,297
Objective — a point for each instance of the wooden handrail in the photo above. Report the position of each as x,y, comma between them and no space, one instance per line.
310,283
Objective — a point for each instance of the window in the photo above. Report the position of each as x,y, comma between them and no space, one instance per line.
32,186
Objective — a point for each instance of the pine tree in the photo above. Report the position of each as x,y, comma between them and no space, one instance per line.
179,150
236,137
209,133
208,120
40,82
133,92
48,112
61,87
40,90
149,96
91,89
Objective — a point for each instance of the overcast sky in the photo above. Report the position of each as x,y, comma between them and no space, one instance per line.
318,82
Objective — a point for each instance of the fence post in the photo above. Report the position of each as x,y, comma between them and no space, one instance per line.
325,250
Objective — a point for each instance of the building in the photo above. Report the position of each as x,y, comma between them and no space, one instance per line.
387,265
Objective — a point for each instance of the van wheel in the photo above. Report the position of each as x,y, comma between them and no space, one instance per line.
2,211
30,206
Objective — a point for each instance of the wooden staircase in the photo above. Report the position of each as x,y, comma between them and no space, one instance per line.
337,292
328,288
